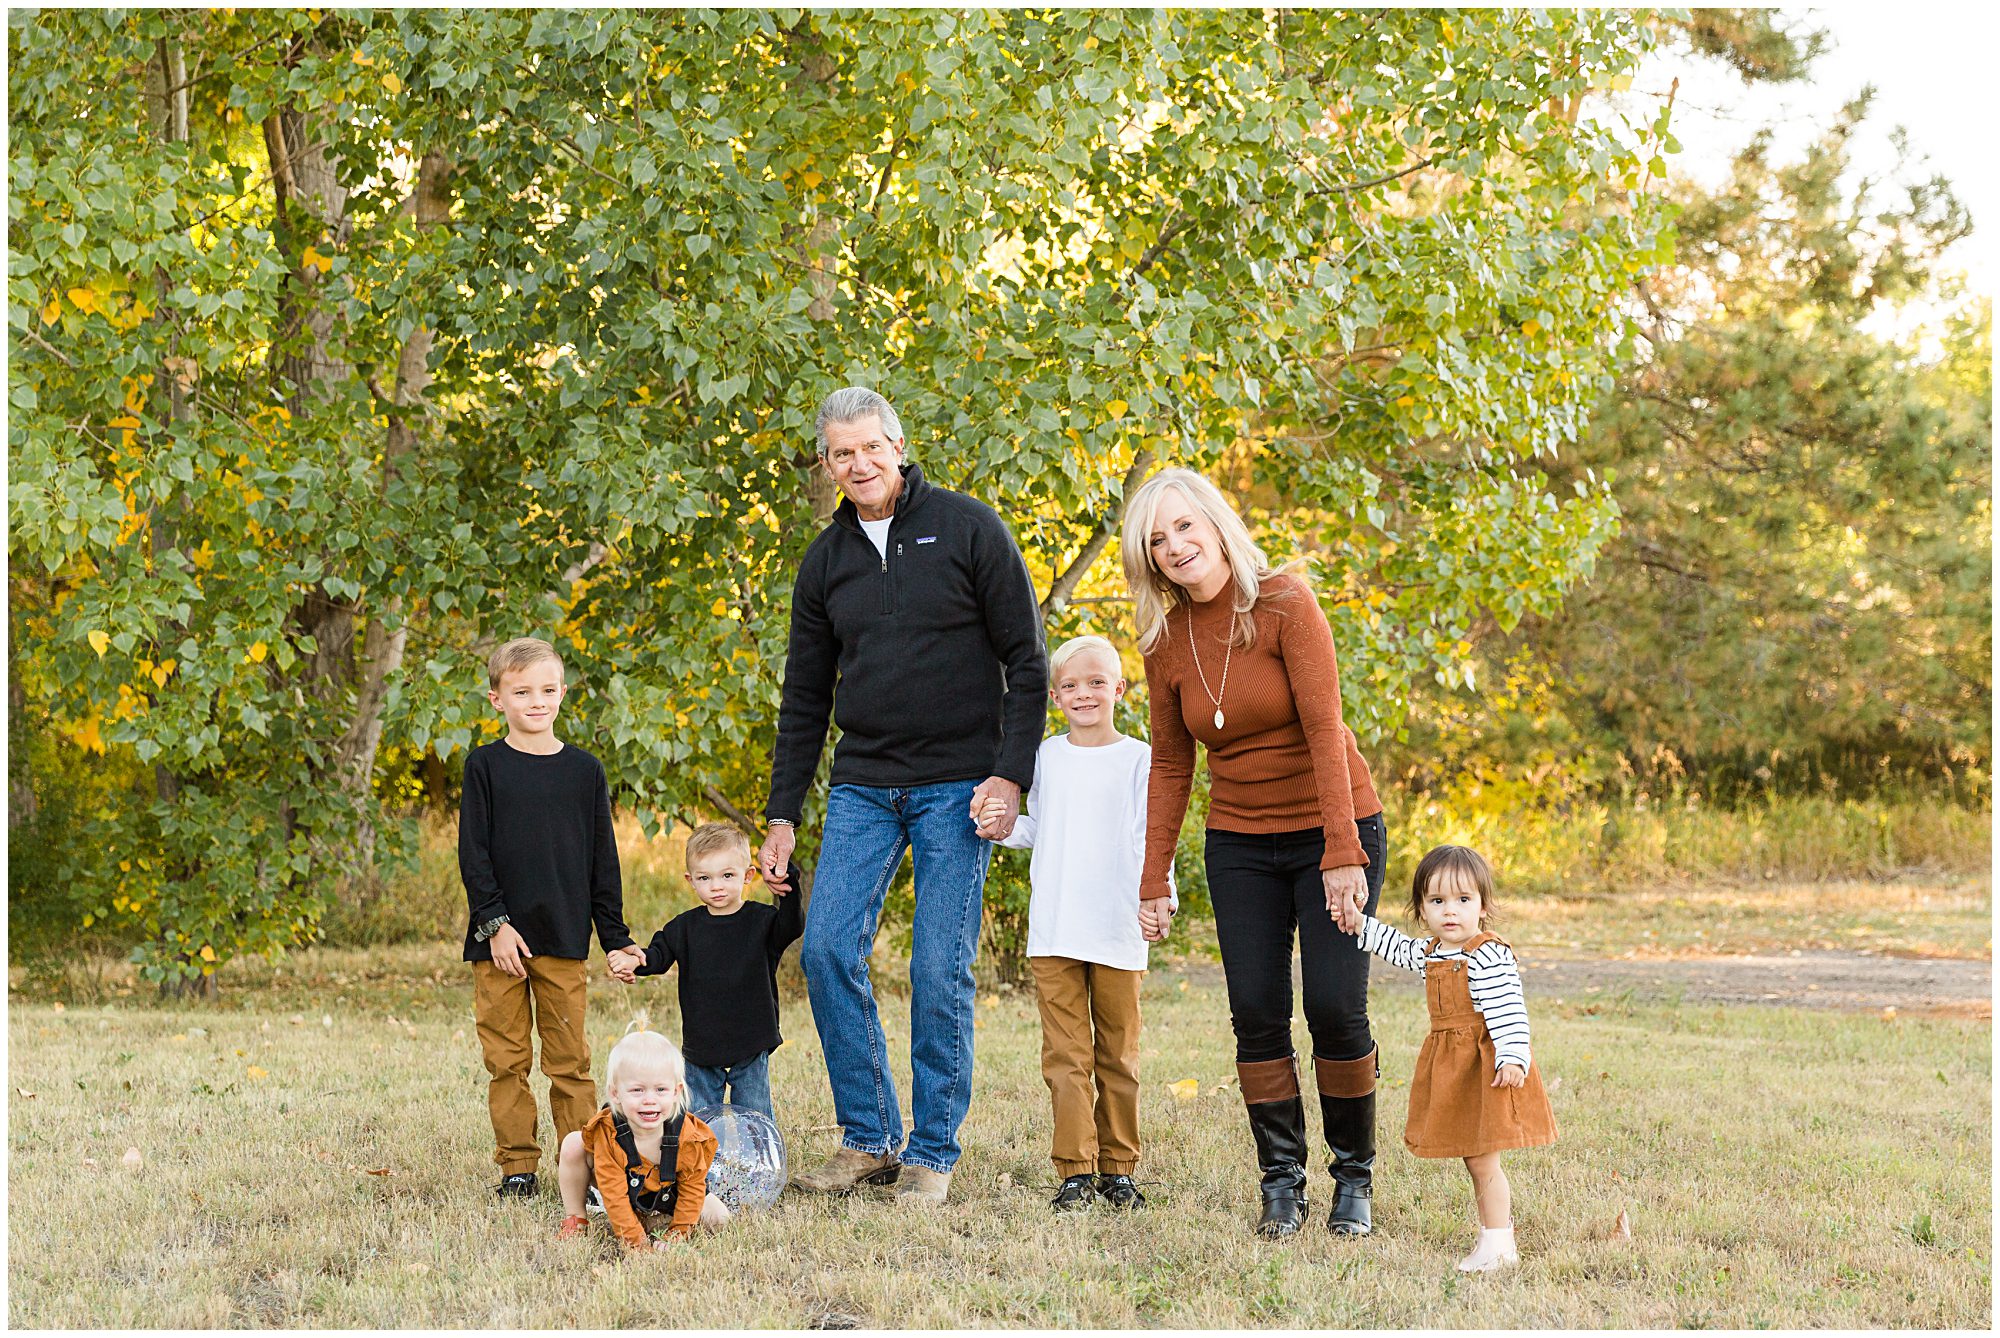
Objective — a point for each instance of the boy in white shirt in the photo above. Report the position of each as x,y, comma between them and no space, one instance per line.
1087,935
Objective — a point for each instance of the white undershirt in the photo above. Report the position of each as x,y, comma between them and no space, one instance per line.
1086,822
878,533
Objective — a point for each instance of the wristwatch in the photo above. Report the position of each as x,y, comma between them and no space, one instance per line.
781,822
489,929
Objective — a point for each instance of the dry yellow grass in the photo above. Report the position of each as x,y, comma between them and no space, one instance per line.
1777,1167
1921,917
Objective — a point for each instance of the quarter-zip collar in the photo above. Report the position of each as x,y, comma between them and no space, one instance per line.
916,491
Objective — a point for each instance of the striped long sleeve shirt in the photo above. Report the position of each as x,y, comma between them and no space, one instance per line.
1492,977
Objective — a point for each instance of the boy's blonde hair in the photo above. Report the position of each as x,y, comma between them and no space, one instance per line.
519,653
647,1048
712,838
1079,645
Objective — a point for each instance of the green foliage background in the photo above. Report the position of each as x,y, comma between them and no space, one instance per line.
348,344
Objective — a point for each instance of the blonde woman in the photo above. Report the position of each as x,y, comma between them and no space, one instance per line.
1239,658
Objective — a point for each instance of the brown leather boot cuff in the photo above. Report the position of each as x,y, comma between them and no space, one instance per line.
1268,1080
1346,1077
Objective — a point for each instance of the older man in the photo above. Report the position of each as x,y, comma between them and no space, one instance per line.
914,623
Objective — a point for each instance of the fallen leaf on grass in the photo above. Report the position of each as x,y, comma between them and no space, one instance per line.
297,1020
1889,1013
1187,1089
1553,1085
383,1170
90,1162
256,1074
420,1268
132,1160
24,1094
1004,1180
1622,1228
56,1008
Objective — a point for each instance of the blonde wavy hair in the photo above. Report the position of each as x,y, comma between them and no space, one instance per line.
647,1049
1154,594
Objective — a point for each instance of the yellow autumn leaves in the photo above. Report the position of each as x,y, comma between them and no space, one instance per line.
121,309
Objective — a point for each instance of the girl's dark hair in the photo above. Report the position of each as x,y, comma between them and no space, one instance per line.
1462,861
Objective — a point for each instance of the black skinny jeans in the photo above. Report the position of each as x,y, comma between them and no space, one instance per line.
1263,886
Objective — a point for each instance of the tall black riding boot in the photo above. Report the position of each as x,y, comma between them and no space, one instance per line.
1278,1122
1347,1109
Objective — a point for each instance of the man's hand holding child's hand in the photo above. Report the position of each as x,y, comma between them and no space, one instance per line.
1510,1075
1156,918
986,816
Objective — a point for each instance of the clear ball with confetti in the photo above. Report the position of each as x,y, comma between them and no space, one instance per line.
749,1168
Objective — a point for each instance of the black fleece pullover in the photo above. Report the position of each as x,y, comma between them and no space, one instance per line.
936,649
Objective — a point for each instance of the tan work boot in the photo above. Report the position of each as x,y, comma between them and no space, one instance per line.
922,1187
849,1169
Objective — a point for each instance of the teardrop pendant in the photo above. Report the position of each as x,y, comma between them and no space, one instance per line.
1218,717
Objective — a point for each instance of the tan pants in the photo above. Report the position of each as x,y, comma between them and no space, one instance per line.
1090,1029
509,1012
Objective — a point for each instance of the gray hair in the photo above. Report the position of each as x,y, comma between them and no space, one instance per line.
852,402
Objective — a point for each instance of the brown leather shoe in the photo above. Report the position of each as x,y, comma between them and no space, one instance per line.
849,1169
922,1187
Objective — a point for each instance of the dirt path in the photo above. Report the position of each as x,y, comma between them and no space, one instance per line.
1798,979
1809,979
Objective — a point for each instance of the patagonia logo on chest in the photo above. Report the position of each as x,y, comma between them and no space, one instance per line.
928,539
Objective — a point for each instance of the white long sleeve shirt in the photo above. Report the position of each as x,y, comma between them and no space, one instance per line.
1086,823
1492,977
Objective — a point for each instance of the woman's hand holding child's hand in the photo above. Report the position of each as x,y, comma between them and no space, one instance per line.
1346,896
1510,1075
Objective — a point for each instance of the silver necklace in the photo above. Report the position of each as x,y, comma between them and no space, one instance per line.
1228,647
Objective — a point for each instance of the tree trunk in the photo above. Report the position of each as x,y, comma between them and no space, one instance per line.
1064,586
167,113
382,645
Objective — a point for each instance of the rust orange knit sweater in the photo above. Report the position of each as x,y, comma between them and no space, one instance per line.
1283,759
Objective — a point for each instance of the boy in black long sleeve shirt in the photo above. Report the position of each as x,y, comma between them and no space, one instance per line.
540,866
728,950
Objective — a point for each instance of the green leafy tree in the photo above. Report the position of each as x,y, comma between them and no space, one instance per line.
1800,588
349,344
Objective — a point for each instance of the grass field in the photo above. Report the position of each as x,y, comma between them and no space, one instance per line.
312,1151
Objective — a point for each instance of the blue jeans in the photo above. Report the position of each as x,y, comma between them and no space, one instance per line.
748,1084
867,830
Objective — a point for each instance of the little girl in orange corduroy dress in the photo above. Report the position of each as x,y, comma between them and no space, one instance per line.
1476,1090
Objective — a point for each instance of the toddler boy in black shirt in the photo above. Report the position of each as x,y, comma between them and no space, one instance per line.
728,950
540,866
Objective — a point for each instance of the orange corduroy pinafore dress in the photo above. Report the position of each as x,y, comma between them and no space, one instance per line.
1455,1111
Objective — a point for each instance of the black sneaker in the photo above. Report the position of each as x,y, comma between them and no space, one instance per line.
1076,1193
520,1185
1119,1191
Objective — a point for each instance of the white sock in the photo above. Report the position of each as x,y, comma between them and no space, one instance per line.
1495,1247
